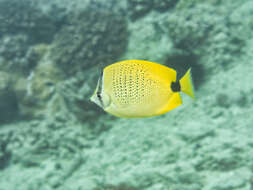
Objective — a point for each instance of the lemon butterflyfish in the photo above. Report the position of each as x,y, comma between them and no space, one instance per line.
138,88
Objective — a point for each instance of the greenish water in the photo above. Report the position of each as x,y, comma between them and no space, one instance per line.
53,137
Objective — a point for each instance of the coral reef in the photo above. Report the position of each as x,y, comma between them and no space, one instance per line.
90,38
117,187
5,156
8,103
89,41
22,25
34,37
68,144
41,86
23,16
139,8
164,5
213,43
15,54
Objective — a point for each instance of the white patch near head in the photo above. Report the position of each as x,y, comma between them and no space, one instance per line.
101,98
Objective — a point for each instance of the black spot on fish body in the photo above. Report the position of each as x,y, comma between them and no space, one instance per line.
175,86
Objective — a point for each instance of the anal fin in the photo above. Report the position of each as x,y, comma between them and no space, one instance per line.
174,102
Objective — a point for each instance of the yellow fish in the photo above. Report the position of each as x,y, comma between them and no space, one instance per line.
138,88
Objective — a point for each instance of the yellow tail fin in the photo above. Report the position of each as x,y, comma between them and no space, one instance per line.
186,84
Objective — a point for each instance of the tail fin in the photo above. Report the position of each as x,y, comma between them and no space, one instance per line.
186,84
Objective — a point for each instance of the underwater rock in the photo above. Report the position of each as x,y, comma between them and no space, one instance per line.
121,186
87,42
201,32
98,41
164,5
5,155
238,179
16,87
13,52
47,94
18,56
187,29
42,82
76,92
242,27
89,38
23,16
5,82
40,88
186,149
139,8
223,100
22,25
8,102
30,144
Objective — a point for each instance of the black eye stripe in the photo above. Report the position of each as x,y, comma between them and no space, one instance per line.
99,95
100,89
100,83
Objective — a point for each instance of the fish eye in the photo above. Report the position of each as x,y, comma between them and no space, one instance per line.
99,95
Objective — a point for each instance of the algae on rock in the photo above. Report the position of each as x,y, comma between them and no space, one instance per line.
41,87
90,38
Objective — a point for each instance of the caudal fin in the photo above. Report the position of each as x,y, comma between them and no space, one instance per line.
186,84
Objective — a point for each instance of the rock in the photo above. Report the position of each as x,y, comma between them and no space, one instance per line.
139,8
5,155
25,17
22,25
8,102
90,38
199,32
41,86
164,5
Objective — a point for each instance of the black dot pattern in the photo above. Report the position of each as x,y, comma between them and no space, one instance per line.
133,84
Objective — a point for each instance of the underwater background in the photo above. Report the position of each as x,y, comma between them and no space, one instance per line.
53,137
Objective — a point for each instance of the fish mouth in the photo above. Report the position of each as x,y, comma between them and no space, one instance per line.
95,100
92,99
